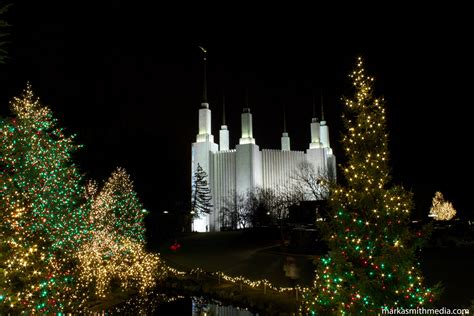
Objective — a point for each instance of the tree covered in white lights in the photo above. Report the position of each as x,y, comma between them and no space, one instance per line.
441,210
119,198
371,264
43,220
57,242
116,250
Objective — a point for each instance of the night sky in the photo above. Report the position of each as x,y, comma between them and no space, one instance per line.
127,79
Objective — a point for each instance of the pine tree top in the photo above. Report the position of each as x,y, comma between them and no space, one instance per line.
366,141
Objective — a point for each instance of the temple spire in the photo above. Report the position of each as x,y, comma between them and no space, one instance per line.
314,118
204,89
324,129
223,109
246,98
285,139
204,134
223,132
246,119
314,106
315,128
322,108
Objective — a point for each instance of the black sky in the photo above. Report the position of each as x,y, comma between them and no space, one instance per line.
126,78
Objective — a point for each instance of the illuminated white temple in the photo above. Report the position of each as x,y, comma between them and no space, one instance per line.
247,167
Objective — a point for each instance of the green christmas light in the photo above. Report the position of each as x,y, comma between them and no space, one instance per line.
43,217
370,242
53,226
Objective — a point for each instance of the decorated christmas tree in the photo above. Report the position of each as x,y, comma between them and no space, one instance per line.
37,156
441,210
23,264
119,199
110,257
115,249
61,240
372,261
43,218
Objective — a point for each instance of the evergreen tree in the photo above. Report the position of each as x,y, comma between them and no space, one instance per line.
441,210
42,200
201,194
22,258
121,201
108,257
38,157
371,263
115,249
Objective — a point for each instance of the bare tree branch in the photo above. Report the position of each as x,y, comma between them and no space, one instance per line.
313,184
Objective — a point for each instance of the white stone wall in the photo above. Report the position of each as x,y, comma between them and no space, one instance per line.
324,134
248,168
201,154
317,157
278,167
224,138
223,183
285,142
315,135
331,165
205,121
